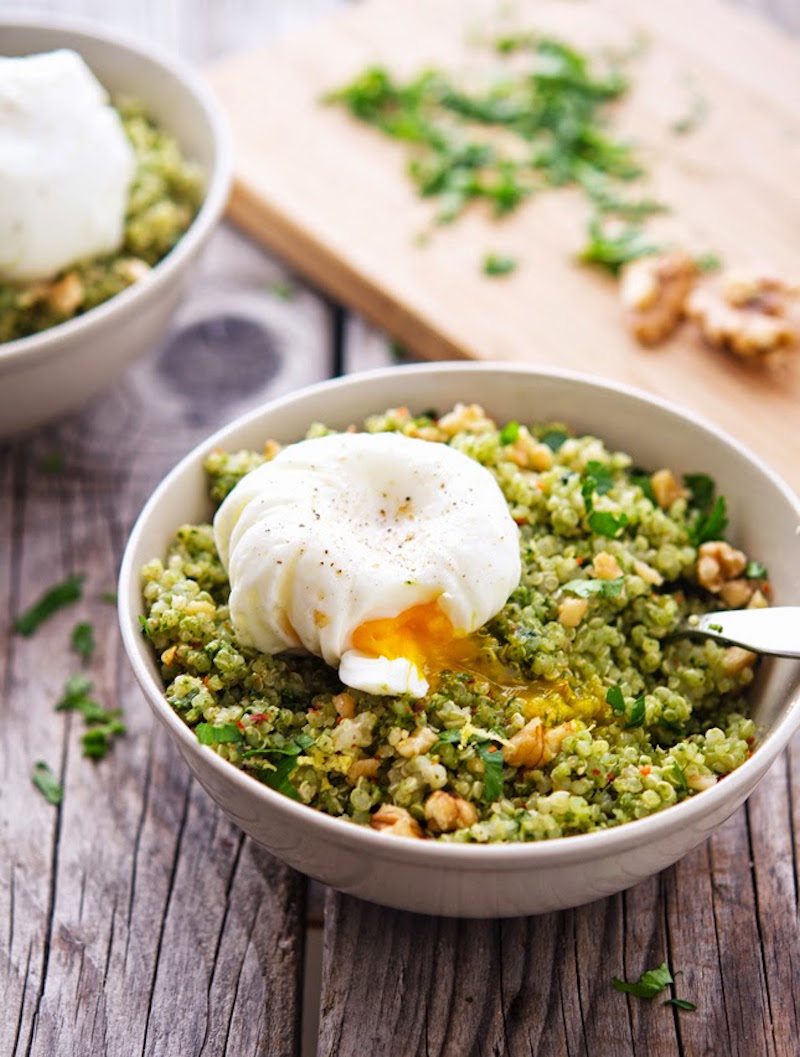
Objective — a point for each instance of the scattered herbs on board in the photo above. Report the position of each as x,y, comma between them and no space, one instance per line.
47,783
652,983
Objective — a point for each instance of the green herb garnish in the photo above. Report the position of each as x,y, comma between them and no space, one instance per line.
47,783
637,713
650,983
283,289
276,776
708,262
598,588
97,740
681,1003
616,699
509,433
612,247
702,487
492,757
223,734
756,571
103,723
712,525
643,480
82,640
52,600
493,264
715,627
554,439
604,523
680,775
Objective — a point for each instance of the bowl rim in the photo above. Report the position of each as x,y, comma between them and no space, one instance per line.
45,343
516,854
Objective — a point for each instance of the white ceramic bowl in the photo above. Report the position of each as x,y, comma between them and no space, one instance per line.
46,374
501,879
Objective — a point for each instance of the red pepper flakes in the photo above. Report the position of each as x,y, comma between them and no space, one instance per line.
258,717
645,770
520,521
767,588
580,561
491,748
596,771
240,724
610,778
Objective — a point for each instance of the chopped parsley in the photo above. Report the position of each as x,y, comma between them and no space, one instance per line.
82,640
637,713
492,758
222,734
680,775
104,724
595,588
496,265
712,514
509,433
616,698
643,480
612,246
554,439
652,983
276,776
55,598
604,523
715,627
756,571
283,289
47,783
708,262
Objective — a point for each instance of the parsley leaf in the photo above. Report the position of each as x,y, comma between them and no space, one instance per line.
681,1003
756,571
492,758
712,525
103,723
643,480
47,783
650,983
612,248
495,265
615,698
702,488
604,523
600,588
51,601
223,734
637,713
680,775
294,747
509,433
599,476
554,439
97,739
82,640
277,777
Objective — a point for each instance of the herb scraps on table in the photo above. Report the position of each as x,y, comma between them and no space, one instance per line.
527,129
103,725
47,783
55,598
82,640
652,983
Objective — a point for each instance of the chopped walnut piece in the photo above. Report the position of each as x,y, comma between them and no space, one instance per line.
606,566
395,820
529,453
465,418
526,748
666,488
554,738
737,659
271,449
363,769
758,601
132,269
648,573
736,593
445,812
718,562
417,743
66,295
752,315
345,705
571,611
653,291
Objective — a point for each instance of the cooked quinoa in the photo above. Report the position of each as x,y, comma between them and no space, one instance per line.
586,711
163,199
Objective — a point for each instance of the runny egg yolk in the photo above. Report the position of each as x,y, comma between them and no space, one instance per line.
425,636
422,635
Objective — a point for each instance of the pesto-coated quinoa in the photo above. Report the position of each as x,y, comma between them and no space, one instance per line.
584,711
164,196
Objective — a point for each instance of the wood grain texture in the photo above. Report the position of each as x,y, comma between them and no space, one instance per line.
136,918
335,199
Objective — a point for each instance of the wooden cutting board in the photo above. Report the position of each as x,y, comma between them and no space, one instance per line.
332,197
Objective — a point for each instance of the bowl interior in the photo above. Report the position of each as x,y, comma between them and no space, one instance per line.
125,70
764,514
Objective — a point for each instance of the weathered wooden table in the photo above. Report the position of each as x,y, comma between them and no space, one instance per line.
138,920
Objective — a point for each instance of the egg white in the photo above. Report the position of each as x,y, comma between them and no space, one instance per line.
342,530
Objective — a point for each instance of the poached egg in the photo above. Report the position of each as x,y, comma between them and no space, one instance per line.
380,553
65,166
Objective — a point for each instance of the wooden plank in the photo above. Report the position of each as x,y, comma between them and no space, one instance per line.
137,882
335,201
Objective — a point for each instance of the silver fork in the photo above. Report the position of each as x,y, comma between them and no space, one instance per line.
773,631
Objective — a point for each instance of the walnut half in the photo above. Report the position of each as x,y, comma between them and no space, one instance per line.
653,291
